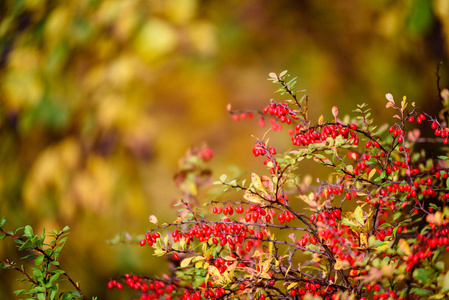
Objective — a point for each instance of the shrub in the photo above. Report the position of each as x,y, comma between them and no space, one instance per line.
46,274
375,227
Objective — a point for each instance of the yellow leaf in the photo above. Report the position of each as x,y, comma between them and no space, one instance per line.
363,239
340,265
257,183
292,285
186,262
252,197
213,271
358,215
270,245
383,247
288,269
404,247
307,199
198,264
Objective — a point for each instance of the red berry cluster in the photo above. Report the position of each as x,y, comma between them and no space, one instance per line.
439,130
280,110
310,288
261,149
381,295
239,237
150,289
255,213
426,245
320,133
113,283
150,238
209,293
286,216
242,116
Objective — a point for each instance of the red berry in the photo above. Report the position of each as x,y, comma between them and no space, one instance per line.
434,125
111,284
281,217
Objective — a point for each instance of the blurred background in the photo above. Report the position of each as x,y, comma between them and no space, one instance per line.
99,99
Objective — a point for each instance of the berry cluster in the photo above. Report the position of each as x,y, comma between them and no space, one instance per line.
261,149
150,239
149,289
320,133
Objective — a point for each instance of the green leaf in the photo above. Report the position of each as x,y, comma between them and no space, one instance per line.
397,215
2,222
63,240
223,178
54,291
39,260
350,168
420,292
28,231
26,246
37,241
53,278
37,272
421,275
20,292
348,222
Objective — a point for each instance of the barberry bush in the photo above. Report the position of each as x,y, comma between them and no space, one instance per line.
374,227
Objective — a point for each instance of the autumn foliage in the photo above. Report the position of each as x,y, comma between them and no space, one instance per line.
375,227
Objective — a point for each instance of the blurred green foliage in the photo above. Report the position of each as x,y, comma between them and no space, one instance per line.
98,99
